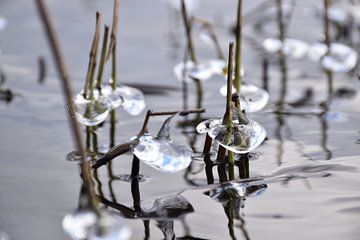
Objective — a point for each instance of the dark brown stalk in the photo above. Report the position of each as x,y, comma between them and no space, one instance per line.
67,89
102,58
89,80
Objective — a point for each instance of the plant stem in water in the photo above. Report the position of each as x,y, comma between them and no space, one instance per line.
67,89
102,58
89,81
228,113
238,48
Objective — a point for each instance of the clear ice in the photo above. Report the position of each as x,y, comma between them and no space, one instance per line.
252,98
91,112
161,152
291,47
243,139
340,59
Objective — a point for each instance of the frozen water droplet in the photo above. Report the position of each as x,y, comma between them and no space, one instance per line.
163,155
252,98
340,59
243,139
113,96
231,191
91,112
109,227
3,23
291,47
134,100
161,152
78,224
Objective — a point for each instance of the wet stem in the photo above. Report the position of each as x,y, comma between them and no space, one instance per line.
190,46
67,89
228,112
238,50
102,58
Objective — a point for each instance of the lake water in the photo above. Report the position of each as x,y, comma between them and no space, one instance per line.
309,162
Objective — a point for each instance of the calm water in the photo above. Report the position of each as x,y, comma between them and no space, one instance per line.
310,165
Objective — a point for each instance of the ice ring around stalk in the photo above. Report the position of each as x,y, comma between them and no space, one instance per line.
340,59
91,112
291,47
252,98
243,139
234,190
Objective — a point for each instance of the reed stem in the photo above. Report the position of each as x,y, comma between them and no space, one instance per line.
238,48
89,81
228,112
114,29
99,77
67,89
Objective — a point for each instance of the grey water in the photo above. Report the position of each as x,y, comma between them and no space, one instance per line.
309,162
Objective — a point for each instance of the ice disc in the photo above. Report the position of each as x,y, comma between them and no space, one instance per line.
252,98
243,139
113,96
340,59
91,112
291,47
189,71
134,100
78,224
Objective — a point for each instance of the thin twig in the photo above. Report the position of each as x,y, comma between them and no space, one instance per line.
67,89
114,29
89,81
238,48
102,58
